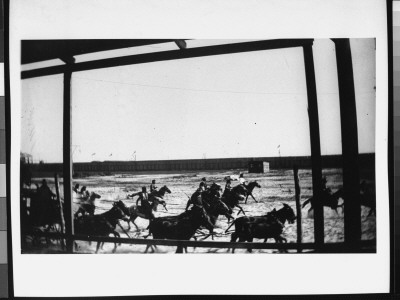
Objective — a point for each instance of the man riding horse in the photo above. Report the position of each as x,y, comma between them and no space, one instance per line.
145,205
153,187
197,199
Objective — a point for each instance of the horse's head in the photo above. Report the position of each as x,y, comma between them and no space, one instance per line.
287,213
165,189
120,210
94,196
256,184
215,187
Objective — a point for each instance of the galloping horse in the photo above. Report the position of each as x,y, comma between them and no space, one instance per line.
327,199
181,227
103,224
262,227
238,193
250,187
156,199
159,195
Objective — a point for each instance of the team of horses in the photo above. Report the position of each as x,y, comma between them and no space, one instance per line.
204,213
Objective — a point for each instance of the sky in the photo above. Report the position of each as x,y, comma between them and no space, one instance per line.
238,105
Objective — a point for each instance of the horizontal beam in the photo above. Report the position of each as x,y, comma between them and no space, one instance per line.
339,247
168,55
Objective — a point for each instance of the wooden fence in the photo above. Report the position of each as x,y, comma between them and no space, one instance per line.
365,246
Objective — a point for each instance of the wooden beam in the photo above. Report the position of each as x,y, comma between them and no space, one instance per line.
67,160
333,247
298,205
348,119
315,145
168,55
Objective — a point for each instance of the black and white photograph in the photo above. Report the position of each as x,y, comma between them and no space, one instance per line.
242,143
230,141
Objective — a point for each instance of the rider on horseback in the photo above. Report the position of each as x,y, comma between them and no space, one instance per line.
325,190
228,187
242,181
196,198
203,180
153,187
145,205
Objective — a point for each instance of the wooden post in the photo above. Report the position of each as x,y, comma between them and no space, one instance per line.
348,119
61,208
67,159
315,145
298,205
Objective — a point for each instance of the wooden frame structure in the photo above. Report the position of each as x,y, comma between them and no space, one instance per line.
347,110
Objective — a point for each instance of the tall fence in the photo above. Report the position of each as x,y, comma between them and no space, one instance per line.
366,160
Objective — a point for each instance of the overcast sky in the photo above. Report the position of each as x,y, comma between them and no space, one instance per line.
239,105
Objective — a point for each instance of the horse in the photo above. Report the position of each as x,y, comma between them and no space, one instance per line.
267,226
156,198
205,198
181,227
212,193
327,199
250,187
159,195
232,198
88,206
103,224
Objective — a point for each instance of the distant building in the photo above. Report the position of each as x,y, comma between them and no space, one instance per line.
258,167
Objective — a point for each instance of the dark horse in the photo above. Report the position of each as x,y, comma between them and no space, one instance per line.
262,227
103,224
156,199
236,194
327,199
181,227
250,187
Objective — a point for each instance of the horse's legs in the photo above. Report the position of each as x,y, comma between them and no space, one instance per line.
253,198
240,209
250,240
116,234
245,202
132,219
97,247
234,237
179,249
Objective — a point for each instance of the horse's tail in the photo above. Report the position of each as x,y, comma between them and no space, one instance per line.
233,222
306,202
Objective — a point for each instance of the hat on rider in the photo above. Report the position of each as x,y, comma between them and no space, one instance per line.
203,179
153,181
202,184
144,190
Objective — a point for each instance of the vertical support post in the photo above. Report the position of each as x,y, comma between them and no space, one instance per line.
315,145
61,208
348,119
67,159
298,206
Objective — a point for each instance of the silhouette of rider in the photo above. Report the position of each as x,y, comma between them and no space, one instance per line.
205,183
228,187
145,206
153,187
242,181
196,198
326,191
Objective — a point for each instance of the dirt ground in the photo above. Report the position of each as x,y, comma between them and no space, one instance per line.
277,188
